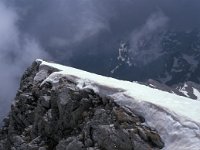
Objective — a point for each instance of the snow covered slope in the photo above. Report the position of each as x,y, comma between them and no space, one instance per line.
176,118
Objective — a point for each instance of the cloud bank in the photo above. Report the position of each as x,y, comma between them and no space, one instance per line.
17,51
145,42
66,28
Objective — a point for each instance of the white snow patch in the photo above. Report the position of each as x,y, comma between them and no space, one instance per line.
117,67
86,84
176,118
196,93
177,132
184,91
151,85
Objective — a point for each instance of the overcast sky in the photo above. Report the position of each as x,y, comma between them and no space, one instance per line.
61,29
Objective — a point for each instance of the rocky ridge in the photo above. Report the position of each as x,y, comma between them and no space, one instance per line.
188,89
61,116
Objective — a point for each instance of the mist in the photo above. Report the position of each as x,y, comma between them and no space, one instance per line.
145,42
65,30
17,51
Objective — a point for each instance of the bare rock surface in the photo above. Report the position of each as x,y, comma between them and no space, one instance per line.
63,117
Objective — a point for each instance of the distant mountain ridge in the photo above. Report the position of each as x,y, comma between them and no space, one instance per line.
187,89
177,61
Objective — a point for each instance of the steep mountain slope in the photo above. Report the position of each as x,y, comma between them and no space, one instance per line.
58,114
175,61
59,107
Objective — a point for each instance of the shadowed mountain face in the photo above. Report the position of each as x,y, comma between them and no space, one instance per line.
176,61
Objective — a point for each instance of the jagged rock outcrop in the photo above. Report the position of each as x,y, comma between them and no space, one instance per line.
48,116
188,89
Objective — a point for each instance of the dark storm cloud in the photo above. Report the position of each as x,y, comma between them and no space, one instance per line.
64,28
60,24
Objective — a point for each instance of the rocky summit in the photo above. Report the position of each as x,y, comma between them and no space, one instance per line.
61,116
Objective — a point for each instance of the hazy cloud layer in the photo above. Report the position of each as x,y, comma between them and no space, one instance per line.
145,42
17,51
65,27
